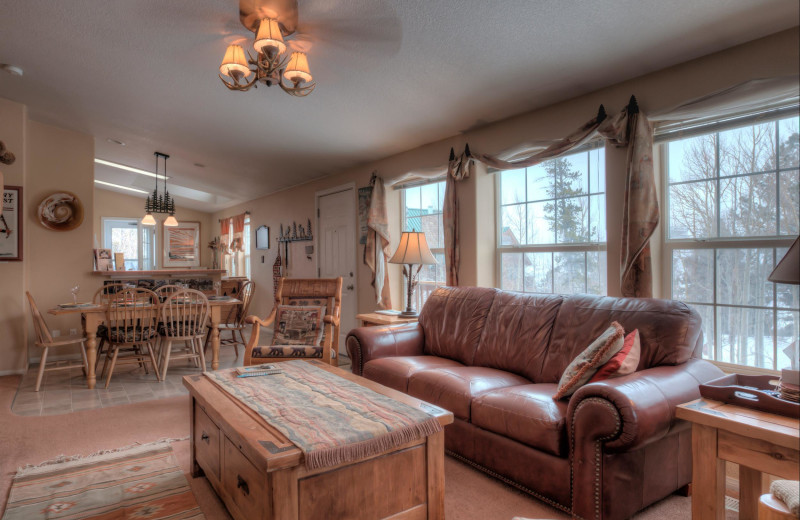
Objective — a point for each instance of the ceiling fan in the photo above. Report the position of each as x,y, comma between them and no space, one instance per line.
282,41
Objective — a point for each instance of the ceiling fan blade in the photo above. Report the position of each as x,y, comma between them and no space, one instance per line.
381,35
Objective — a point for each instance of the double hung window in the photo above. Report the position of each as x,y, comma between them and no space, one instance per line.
552,225
422,211
732,199
135,241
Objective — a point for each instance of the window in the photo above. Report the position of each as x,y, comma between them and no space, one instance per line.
732,212
422,211
552,218
238,264
136,242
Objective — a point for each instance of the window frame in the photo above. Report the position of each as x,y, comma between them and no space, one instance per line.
434,250
716,244
238,264
572,247
140,231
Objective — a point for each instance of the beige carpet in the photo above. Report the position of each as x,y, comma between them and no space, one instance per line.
31,440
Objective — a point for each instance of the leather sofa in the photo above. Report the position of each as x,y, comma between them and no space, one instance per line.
494,359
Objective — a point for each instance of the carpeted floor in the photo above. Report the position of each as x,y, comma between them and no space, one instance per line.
31,440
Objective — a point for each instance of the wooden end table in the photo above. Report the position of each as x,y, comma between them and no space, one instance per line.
372,319
759,442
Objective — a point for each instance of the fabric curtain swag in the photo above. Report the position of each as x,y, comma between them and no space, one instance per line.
377,250
630,129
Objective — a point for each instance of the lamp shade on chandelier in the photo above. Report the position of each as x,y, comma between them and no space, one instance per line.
271,66
160,203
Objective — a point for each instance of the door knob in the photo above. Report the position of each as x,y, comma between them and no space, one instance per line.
350,287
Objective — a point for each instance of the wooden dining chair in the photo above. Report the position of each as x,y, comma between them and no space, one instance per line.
131,323
184,317
165,291
46,341
102,296
306,322
235,321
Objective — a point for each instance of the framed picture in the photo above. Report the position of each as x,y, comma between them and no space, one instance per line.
11,224
364,198
262,237
102,260
182,245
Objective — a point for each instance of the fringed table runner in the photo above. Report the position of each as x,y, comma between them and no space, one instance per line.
331,419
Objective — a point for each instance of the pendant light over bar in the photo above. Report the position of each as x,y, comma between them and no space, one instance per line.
160,203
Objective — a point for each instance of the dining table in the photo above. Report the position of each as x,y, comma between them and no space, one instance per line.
95,314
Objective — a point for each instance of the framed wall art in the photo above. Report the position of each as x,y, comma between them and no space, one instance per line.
182,245
262,237
11,224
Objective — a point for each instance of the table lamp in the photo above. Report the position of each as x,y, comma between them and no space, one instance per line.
413,250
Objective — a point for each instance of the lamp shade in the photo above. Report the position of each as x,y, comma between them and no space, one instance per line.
788,269
413,249
297,70
234,63
148,220
269,37
171,221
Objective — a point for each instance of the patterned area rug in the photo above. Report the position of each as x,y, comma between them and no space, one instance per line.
331,419
142,482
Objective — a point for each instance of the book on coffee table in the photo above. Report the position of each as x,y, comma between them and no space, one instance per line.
257,370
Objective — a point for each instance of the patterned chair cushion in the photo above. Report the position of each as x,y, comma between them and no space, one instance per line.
299,325
289,351
177,328
129,334
294,300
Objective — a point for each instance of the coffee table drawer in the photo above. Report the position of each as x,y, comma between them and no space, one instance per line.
206,442
243,483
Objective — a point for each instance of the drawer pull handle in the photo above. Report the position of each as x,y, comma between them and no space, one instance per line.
242,484
204,437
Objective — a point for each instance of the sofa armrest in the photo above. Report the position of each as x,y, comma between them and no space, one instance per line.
642,404
367,343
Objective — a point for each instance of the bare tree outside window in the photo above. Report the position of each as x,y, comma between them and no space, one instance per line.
732,213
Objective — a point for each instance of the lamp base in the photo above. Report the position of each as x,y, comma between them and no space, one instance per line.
409,314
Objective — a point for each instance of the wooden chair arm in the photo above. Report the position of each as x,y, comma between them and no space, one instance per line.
257,323
255,320
331,319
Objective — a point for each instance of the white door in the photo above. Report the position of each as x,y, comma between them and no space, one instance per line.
336,225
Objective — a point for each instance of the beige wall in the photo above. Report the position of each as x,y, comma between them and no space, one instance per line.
109,203
772,56
13,331
49,159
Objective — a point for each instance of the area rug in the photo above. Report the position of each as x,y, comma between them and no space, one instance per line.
331,419
139,482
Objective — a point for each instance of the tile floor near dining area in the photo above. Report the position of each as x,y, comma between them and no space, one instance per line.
65,391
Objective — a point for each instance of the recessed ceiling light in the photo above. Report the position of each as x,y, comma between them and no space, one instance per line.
104,183
115,141
128,168
11,69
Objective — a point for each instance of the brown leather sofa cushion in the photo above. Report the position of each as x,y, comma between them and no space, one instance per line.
525,413
669,331
395,372
453,319
455,388
517,332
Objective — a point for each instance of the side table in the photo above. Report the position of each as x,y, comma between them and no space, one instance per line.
759,442
372,319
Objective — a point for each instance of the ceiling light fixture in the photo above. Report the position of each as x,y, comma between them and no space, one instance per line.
115,141
128,168
160,203
104,183
270,66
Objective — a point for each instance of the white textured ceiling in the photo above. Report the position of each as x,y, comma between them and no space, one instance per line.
392,75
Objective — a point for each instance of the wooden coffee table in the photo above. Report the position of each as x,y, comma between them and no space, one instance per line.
759,442
260,475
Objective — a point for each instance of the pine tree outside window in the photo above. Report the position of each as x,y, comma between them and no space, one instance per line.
552,225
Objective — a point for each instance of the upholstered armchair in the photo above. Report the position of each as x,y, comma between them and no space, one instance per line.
305,320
